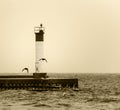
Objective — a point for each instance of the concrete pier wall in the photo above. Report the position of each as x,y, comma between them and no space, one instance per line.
32,83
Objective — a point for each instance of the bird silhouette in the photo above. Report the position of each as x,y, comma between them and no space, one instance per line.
43,59
25,69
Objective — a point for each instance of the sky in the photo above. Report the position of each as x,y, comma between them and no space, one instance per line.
81,36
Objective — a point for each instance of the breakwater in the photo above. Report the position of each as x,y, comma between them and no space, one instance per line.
37,81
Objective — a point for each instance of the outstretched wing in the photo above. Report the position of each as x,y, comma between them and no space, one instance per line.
43,59
25,69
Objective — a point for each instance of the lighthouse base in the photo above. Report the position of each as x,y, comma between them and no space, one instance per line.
40,75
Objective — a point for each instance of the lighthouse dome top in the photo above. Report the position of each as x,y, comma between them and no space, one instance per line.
41,25
39,29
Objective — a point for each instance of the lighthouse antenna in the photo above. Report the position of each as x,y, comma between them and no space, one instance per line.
41,25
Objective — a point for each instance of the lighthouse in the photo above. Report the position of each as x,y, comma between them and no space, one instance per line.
39,47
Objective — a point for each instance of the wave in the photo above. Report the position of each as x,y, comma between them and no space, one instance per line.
42,105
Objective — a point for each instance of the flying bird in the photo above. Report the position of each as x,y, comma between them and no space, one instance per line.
43,59
25,69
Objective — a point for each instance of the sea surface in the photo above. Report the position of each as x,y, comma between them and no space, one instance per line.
96,92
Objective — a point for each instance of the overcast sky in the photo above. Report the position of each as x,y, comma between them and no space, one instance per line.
80,35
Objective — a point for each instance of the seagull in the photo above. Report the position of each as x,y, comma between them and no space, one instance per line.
43,59
25,69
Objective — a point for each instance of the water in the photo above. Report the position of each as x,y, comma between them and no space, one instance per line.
96,92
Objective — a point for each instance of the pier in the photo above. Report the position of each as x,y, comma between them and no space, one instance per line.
37,81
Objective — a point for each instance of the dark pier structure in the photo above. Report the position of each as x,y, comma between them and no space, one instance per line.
38,81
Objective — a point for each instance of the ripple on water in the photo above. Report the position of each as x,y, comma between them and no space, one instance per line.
41,105
64,104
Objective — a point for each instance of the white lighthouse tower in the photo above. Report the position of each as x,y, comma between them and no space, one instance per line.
39,43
